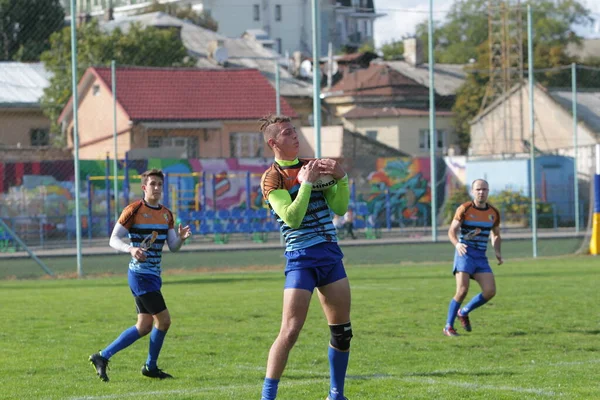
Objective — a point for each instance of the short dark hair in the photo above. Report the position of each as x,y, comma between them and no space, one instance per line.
152,172
268,121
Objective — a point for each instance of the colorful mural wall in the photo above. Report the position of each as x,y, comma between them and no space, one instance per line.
400,188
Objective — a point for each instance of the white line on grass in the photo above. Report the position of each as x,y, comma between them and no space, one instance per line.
564,363
191,391
482,387
225,388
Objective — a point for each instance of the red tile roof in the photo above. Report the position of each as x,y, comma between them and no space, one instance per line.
385,112
377,80
193,94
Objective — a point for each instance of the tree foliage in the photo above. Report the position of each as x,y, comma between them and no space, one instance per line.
202,18
26,26
463,39
152,47
393,50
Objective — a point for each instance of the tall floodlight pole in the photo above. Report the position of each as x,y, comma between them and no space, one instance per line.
76,136
432,132
531,131
113,70
316,77
575,145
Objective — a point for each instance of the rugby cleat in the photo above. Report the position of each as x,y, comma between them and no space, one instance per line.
449,331
155,373
464,321
100,364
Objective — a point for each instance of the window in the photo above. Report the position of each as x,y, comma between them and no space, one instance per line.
277,12
372,135
189,142
256,12
39,137
424,139
95,90
246,144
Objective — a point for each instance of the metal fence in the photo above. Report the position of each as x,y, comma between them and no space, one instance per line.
37,173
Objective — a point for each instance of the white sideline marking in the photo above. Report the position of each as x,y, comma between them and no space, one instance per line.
476,386
192,391
429,381
563,363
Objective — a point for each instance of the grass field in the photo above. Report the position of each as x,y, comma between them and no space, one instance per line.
539,338
273,258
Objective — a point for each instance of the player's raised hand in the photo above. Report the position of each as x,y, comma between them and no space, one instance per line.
184,232
461,249
309,172
331,167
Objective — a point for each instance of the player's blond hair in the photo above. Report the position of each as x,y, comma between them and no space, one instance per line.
152,172
268,125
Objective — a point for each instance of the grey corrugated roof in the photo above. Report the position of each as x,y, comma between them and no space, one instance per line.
447,77
588,105
22,84
242,52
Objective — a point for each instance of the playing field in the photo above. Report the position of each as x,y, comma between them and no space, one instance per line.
539,338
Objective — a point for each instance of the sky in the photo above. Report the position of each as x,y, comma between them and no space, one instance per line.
404,15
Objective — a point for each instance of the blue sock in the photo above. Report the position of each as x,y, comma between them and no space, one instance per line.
475,302
124,340
156,341
452,310
270,389
338,364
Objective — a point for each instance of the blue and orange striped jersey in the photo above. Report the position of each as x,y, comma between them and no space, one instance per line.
317,225
140,220
476,224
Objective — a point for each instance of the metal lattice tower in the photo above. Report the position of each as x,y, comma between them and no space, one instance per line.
505,23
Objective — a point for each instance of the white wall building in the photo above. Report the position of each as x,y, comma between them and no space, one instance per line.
289,22
286,23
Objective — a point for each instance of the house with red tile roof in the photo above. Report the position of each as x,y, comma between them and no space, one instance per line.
386,105
172,113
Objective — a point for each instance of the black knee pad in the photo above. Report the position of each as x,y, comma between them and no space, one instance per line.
341,336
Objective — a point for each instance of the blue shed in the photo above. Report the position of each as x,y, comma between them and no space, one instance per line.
553,179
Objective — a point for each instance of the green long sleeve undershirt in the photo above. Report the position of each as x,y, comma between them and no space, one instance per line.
293,212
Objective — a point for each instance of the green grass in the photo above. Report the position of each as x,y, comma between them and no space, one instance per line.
539,338
208,260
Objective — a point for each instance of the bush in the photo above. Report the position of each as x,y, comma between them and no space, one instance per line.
516,208
452,202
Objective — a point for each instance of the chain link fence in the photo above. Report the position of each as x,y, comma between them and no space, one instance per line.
482,130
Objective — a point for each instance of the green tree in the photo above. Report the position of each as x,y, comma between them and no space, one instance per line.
26,26
149,46
393,50
366,47
466,27
463,39
202,18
